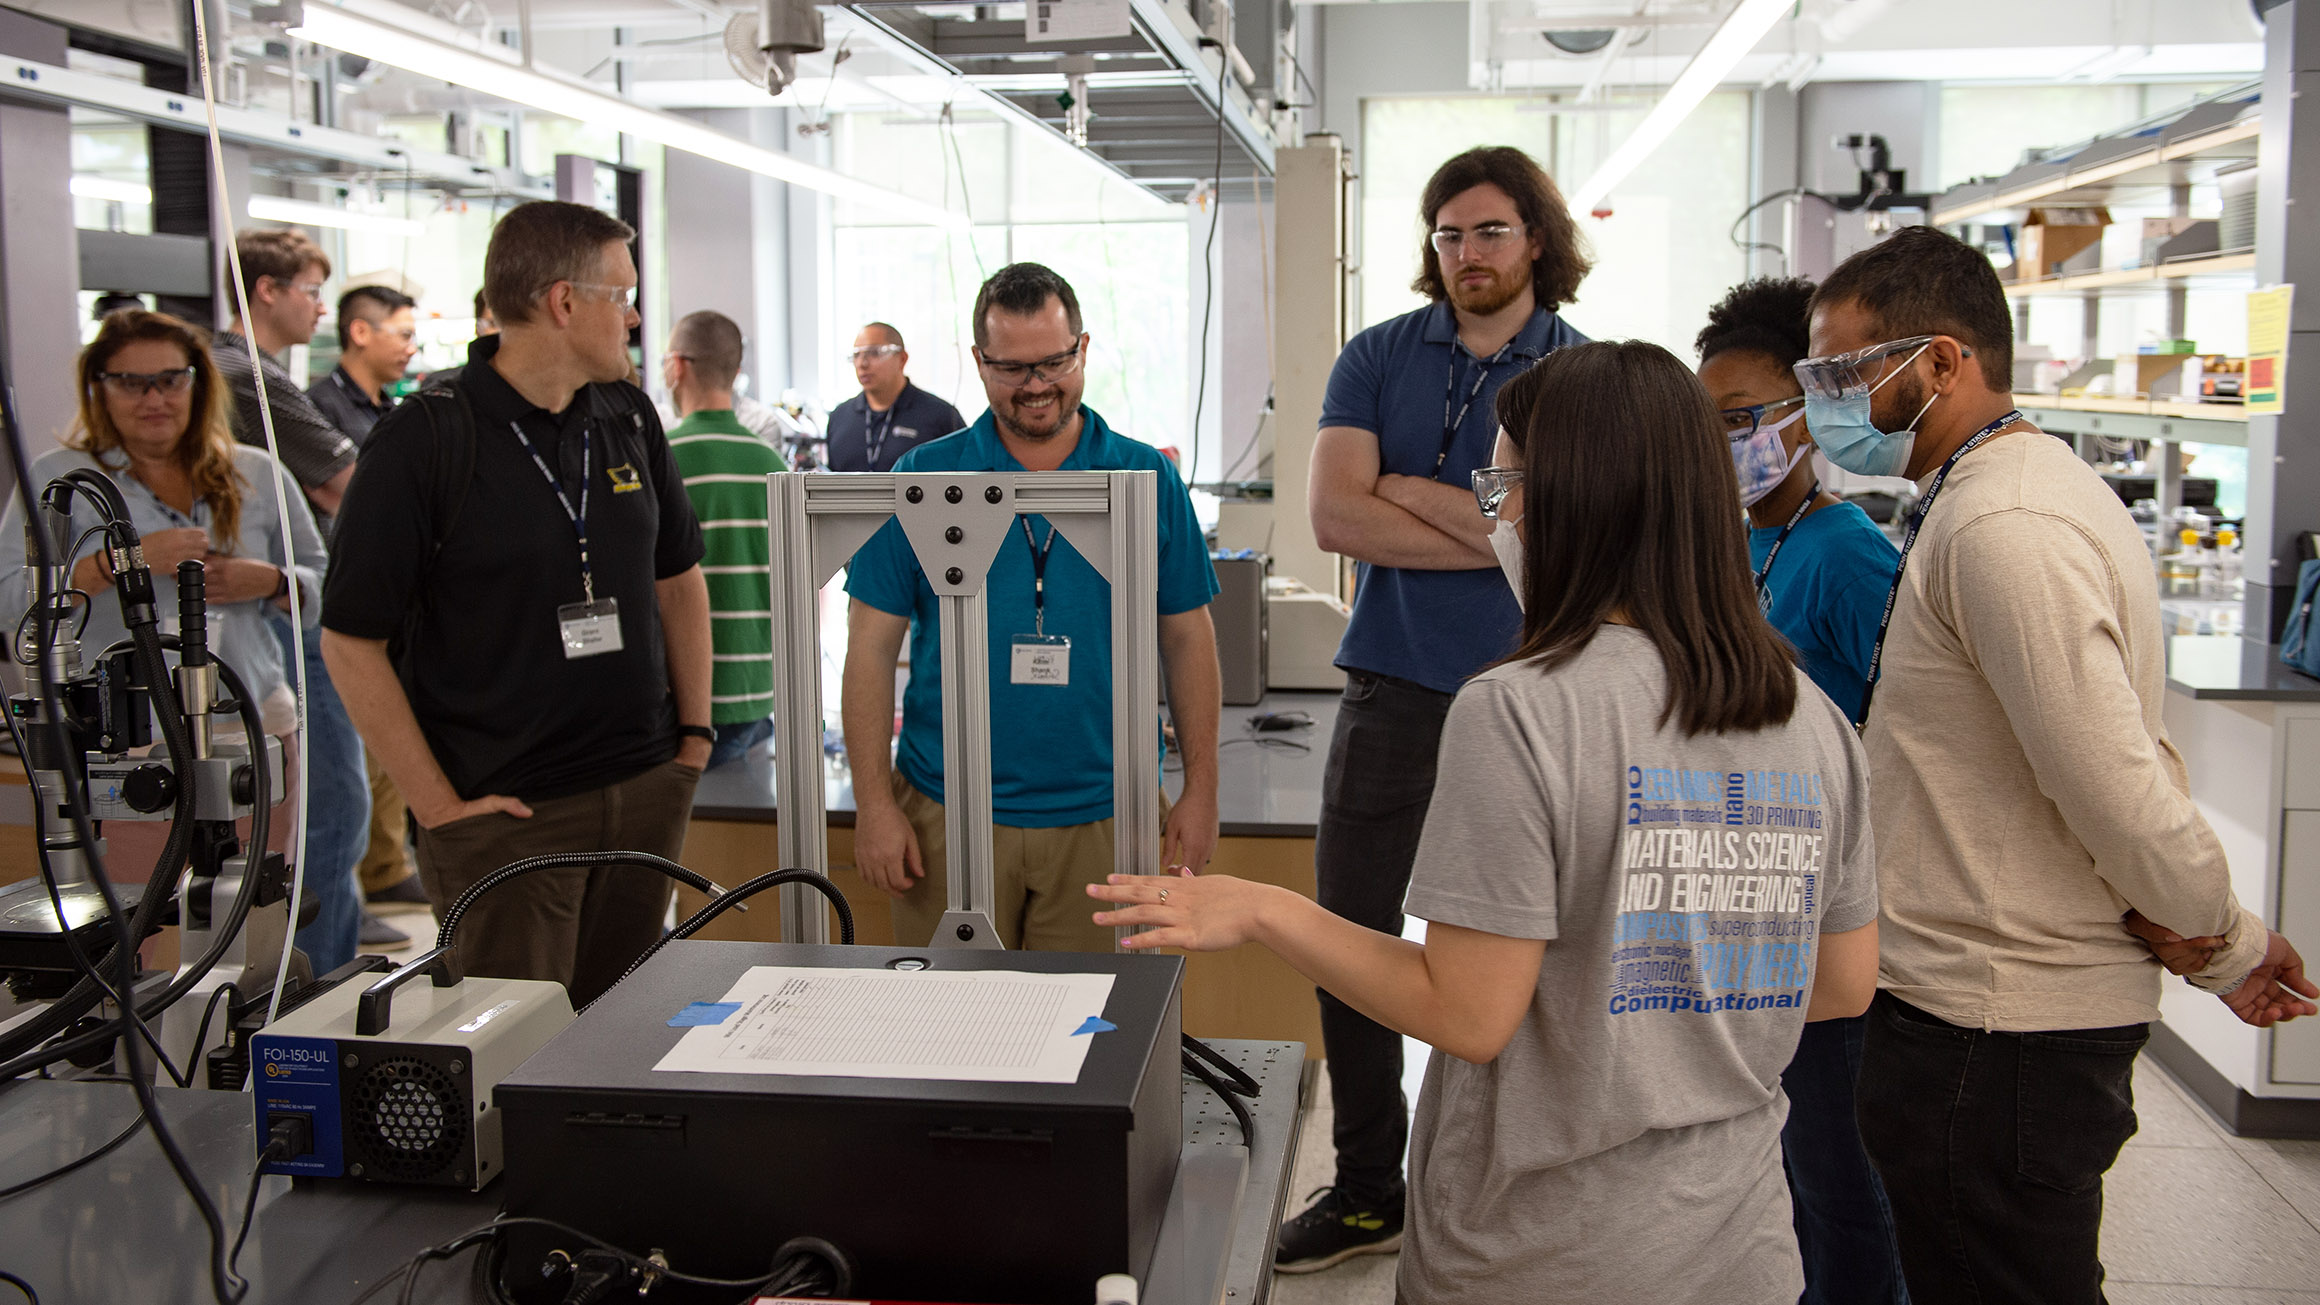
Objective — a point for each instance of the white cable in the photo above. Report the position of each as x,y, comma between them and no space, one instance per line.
282,513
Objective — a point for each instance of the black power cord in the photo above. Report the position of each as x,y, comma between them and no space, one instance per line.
20,1285
1208,257
802,1265
729,900
119,1140
1229,1081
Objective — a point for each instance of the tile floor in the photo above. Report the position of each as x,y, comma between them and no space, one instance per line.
2194,1216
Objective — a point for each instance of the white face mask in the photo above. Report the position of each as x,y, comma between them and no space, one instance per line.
1508,545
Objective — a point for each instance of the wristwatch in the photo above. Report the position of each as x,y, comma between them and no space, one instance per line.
703,732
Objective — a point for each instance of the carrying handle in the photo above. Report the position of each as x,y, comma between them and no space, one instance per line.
377,1005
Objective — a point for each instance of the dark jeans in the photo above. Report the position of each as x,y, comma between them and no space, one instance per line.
1844,1225
1993,1148
739,737
1374,795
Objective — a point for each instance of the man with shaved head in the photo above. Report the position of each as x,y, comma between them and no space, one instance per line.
891,416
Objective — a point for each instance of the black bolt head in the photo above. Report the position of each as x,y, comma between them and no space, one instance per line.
966,933
991,495
954,534
914,494
952,493
954,576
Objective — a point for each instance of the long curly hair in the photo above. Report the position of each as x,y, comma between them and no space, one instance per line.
205,450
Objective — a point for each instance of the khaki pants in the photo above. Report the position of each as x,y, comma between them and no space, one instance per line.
1039,879
385,861
581,926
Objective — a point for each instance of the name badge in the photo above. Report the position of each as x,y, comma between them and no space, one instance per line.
1041,659
589,629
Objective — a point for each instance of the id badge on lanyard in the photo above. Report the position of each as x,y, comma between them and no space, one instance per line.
1039,657
590,627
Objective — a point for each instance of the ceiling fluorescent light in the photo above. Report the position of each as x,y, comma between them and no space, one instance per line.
119,192
493,74
1750,20
273,208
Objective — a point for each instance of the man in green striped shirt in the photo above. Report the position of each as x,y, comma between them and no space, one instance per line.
724,467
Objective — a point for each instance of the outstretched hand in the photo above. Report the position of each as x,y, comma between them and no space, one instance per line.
1211,913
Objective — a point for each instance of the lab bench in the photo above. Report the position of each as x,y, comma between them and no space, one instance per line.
2249,730
120,1229
1268,802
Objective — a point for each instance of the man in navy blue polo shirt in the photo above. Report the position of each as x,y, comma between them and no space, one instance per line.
1051,730
891,416
1405,423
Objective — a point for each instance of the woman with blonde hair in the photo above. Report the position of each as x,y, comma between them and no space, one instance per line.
153,420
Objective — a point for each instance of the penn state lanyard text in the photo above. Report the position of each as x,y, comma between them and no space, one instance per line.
580,516
1909,541
1451,422
1771,555
1038,575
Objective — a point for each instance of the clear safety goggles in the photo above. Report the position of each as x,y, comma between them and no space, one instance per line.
1492,485
1845,375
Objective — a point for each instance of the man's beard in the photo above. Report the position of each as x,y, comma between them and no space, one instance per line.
1484,300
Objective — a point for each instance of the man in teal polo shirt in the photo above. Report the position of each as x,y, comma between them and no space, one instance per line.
1051,743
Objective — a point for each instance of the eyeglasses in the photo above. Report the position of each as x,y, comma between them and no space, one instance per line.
1017,374
1488,238
1742,423
1492,485
873,351
619,296
136,385
1844,375
310,289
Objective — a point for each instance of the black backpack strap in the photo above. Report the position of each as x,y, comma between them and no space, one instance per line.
451,446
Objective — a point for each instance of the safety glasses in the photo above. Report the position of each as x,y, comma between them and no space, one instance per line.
1492,485
873,351
1016,375
1743,423
1844,375
136,385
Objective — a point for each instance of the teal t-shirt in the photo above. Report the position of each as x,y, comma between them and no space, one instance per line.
1051,745
1828,591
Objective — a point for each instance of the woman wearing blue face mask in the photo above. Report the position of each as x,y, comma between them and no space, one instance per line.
1822,569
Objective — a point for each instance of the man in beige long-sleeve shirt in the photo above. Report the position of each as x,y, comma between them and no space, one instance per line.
2026,799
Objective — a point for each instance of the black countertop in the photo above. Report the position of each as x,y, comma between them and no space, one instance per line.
2230,668
1268,782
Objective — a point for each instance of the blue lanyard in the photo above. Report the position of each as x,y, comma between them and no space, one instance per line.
1909,541
1038,575
579,516
1771,555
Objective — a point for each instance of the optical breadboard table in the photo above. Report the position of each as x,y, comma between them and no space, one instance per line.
121,1229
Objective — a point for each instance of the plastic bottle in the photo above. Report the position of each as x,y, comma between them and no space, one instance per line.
2228,579
2181,569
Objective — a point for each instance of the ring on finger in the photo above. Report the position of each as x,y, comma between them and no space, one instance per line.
1164,897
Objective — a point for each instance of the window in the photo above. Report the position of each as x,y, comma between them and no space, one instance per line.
1658,264
1030,200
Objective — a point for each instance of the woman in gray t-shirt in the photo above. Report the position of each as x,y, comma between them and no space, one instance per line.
1646,865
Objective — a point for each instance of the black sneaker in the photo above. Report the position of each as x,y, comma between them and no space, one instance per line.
1334,1229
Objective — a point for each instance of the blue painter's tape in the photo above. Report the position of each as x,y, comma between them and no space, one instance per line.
704,1012
1095,1024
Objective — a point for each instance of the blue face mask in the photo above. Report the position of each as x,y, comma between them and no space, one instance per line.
1844,431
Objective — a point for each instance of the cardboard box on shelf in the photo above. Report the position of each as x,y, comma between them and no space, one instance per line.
2051,237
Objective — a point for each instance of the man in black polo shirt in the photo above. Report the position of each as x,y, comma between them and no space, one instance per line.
377,328
891,416
516,616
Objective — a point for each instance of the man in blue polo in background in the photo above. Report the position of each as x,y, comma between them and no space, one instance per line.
1405,423
1050,654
